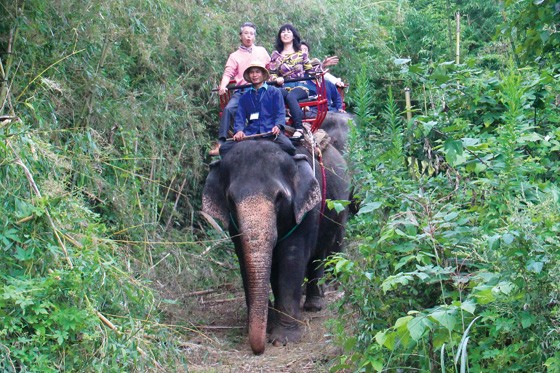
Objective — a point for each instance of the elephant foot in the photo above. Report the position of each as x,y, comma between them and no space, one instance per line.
313,303
271,320
280,336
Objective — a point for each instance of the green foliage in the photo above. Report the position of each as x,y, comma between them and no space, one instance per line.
110,109
61,280
456,265
533,30
457,260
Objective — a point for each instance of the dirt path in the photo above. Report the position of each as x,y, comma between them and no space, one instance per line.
221,345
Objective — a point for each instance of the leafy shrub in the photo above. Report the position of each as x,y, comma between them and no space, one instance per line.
457,261
61,280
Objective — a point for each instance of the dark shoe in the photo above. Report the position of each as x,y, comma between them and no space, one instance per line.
215,150
298,135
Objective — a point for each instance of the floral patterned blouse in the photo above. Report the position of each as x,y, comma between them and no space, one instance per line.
290,66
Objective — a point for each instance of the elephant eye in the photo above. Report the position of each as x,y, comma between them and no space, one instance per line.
231,204
282,196
278,197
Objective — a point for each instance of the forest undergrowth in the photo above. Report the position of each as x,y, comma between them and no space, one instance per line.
106,115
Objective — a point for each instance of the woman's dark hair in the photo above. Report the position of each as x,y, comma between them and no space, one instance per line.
297,39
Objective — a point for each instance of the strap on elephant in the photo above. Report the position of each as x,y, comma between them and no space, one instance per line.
315,142
323,180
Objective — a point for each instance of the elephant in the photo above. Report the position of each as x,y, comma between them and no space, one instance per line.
336,125
272,205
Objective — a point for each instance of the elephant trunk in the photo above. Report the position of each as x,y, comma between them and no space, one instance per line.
257,223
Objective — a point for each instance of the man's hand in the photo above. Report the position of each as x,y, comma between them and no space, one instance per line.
280,81
222,90
276,130
240,135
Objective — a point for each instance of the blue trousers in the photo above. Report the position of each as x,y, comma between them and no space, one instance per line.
228,115
292,98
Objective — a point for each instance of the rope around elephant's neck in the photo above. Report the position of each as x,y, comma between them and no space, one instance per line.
324,182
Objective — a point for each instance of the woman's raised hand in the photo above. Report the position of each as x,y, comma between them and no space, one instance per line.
330,61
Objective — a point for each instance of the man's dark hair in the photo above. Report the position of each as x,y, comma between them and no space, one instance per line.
297,39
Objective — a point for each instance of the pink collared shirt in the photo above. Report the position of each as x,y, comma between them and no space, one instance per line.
239,60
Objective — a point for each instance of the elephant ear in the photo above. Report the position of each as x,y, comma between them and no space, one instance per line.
307,192
213,197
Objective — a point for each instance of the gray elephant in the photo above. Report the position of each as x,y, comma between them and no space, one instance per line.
271,203
336,125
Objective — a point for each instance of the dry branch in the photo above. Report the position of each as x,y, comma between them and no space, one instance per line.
220,301
201,292
106,321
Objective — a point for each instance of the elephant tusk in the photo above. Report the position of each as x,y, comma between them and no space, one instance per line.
213,223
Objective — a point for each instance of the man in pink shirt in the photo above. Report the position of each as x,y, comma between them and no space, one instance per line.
236,64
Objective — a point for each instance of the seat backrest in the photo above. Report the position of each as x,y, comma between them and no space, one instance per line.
224,99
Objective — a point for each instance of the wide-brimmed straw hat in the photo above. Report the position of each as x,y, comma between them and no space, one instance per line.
258,64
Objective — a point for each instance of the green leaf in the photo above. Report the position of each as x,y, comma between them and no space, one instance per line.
475,167
350,343
386,338
530,137
446,318
508,238
553,364
534,266
454,152
10,235
494,242
391,282
381,337
404,261
468,306
369,207
417,327
337,205
402,321
377,365
484,294
527,319
22,254
450,216
504,287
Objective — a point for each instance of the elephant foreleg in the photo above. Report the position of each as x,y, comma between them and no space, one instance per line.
287,279
314,293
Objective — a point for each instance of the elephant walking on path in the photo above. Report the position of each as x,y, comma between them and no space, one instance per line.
271,203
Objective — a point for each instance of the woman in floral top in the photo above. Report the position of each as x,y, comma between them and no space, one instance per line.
289,62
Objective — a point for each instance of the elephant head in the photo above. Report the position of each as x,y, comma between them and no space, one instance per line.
260,193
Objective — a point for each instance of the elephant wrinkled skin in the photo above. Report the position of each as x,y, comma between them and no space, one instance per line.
270,202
